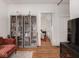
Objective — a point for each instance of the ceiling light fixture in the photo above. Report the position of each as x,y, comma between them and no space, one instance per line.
59,2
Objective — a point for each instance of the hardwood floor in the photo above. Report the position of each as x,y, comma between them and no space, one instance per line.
45,51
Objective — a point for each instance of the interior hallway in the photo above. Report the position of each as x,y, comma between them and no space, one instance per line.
45,51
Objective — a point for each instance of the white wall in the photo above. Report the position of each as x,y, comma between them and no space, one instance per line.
74,9
59,18
3,19
60,24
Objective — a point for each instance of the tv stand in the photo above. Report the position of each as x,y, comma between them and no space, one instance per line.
68,50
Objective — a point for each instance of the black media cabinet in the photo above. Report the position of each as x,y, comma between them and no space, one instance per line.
69,50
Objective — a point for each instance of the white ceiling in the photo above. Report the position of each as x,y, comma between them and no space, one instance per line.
34,1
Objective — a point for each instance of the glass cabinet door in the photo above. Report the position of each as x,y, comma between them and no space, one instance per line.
27,31
13,26
33,31
20,31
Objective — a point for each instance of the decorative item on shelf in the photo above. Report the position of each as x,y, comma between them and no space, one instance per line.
26,34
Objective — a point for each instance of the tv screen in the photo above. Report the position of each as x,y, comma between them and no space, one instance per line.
73,31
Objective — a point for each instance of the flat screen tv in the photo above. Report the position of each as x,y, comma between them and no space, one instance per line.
73,31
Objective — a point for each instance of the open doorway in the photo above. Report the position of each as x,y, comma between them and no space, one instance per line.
46,28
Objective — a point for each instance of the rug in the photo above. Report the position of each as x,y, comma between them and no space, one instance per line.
22,54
